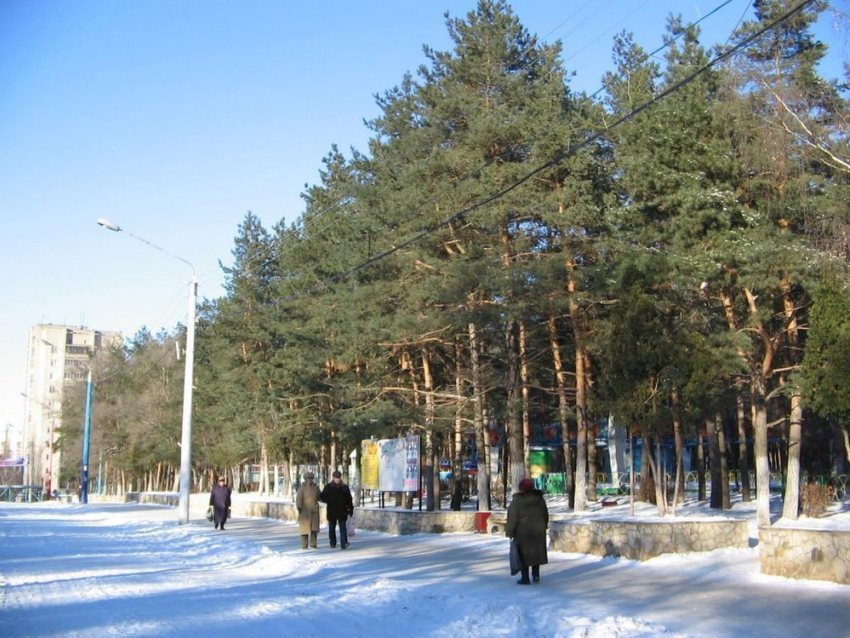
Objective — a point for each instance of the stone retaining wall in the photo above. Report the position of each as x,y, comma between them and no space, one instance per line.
391,521
612,537
403,522
792,553
645,540
804,553
398,522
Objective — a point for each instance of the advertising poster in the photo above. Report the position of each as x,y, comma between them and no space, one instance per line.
391,465
411,464
369,465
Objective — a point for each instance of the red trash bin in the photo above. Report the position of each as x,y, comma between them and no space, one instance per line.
481,522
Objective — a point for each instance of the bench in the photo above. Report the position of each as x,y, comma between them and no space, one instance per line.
497,524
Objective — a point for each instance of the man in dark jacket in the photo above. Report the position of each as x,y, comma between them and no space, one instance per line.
340,506
220,502
528,518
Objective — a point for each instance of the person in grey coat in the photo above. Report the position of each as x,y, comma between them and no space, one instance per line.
307,504
220,502
528,518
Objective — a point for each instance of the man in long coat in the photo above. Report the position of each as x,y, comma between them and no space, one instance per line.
528,518
340,504
307,503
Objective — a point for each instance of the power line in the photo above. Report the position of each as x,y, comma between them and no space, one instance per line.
311,223
562,156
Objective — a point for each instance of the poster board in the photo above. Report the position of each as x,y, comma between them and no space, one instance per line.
369,464
390,465
411,464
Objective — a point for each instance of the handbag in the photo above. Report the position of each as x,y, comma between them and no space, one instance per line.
349,527
210,513
516,559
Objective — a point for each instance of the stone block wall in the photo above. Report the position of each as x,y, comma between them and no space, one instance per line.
404,522
390,521
645,540
802,553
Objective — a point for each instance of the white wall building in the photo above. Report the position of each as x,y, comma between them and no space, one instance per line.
56,357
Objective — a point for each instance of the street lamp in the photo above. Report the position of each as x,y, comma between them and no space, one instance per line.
84,483
186,442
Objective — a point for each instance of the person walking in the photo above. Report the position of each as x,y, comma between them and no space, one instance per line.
528,518
220,502
307,504
337,496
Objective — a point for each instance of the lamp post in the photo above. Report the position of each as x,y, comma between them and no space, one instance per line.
84,483
186,438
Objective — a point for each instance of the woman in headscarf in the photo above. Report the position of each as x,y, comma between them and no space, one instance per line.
220,502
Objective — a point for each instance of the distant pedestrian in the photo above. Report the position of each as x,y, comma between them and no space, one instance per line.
340,506
220,502
457,496
307,504
528,518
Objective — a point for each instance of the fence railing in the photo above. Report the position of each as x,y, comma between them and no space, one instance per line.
21,493
555,483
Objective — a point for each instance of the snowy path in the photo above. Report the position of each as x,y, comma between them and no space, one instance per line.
129,570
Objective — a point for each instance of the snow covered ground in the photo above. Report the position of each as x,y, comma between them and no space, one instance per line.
69,570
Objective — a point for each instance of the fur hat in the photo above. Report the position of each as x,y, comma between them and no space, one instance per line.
526,485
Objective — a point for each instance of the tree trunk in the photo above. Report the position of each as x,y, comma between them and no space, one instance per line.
264,469
524,384
743,455
515,442
591,439
658,480
846,436
725,502
714,464
679,443
563,408
791,504
428,475
645,469
743,451
701,488
582,358
581,437
480,424
758,389
457,456
759,417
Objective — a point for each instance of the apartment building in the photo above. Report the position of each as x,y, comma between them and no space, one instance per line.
57,357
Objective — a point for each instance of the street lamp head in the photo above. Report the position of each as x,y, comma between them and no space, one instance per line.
108,224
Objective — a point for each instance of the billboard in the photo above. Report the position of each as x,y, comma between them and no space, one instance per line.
390,465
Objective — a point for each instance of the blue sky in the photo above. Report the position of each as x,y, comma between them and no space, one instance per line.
174,118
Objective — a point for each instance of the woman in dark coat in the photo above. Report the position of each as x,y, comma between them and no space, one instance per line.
220,502
457,497
528,518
